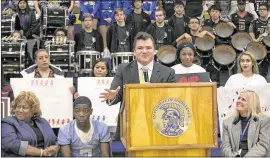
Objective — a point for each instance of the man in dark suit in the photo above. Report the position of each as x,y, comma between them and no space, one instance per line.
143,67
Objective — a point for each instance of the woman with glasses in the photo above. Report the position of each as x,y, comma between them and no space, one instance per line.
26,133
82,136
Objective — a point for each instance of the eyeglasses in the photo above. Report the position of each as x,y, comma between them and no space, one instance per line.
24,108
262,9
60,35
178,6
194,22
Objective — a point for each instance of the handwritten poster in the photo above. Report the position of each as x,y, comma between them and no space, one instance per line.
227,98
91,87
55,98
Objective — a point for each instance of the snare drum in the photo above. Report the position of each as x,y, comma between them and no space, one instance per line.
13,56
223,30
121,57
258,50
62,55
224,55
55,17
86,59
208,28
240,40
206,43
7,24
166,54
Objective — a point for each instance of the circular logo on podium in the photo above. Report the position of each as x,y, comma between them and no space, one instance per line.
171,117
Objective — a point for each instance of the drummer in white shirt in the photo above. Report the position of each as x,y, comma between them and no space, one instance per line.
185,54
248,73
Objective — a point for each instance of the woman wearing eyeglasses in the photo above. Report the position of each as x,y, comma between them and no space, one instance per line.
26,133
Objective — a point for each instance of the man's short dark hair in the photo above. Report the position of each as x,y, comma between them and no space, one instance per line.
117,10
133,1
60,29
265,5
194,18
241,1
214,7
161,10
143,36
179,2
87,15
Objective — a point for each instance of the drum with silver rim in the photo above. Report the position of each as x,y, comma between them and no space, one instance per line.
204,44
62,55
13,56
121,57
7,24
166,54
86,59
258,50
223,30
208,28
240,40
224,55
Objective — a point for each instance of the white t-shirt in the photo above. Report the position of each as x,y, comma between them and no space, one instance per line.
240,80
180,69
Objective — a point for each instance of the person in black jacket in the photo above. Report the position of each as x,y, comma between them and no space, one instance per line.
26,23
168,6
25,20
162,33
120,35
138,18
88,38
179,20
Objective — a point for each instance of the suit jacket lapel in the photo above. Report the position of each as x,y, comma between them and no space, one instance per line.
134,72
30,131
251,132
236,134
155,74
43,131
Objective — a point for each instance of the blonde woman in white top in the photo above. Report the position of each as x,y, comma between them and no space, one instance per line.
248,72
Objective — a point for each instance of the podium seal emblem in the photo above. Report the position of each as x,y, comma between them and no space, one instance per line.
171,117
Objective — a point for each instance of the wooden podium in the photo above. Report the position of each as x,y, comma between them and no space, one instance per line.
139,132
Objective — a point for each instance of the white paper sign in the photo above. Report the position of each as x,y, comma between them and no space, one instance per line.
54,96
91,87
228,96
